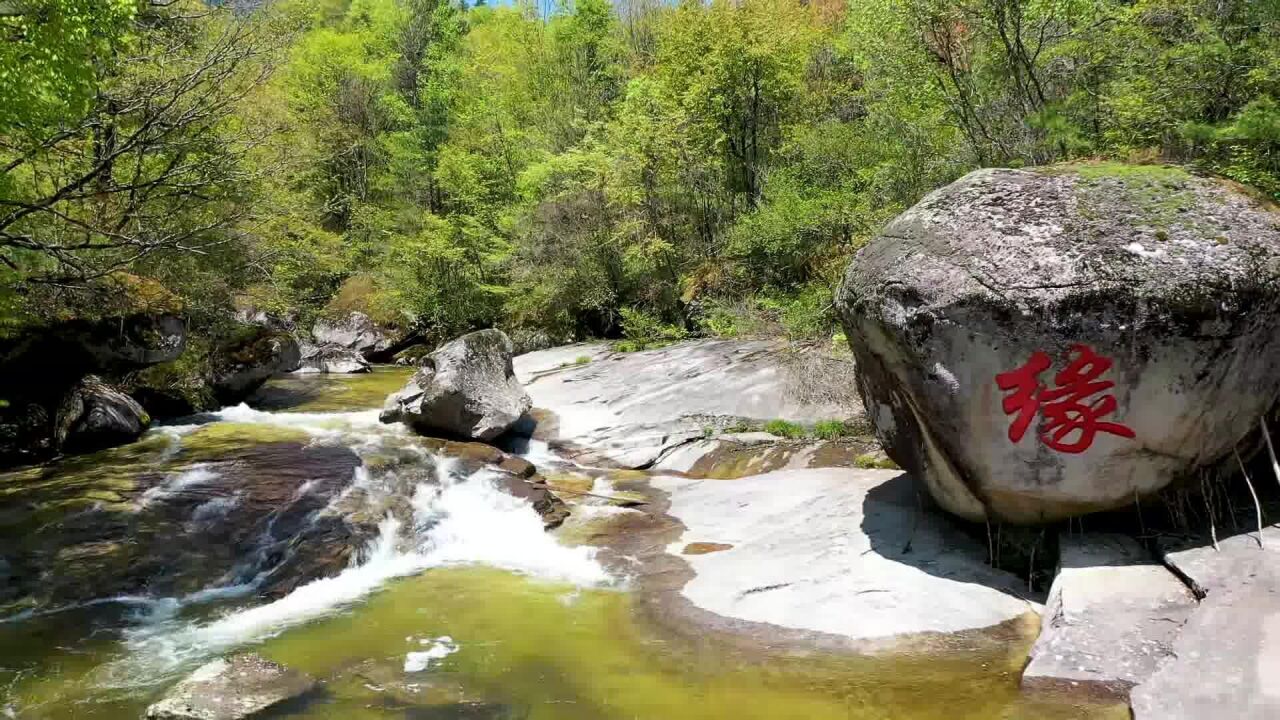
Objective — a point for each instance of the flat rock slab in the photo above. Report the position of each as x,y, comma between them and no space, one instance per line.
230,689
838,551
738,455
1111,620
632,408
1227,661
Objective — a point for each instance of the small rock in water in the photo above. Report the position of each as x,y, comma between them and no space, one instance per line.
230,689
441,648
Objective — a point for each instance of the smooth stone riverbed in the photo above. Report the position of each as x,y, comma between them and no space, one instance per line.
400,637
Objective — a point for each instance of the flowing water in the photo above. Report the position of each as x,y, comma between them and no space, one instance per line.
457,605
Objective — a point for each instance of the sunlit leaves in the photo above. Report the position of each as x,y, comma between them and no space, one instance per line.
52,53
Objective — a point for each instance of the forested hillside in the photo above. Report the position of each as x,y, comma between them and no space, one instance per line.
641,168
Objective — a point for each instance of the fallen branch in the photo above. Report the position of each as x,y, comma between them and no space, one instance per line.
1257,507
1205,491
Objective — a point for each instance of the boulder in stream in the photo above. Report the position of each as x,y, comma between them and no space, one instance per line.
354,331
331,359
231,689
95,415
465,389
1044,343
243,364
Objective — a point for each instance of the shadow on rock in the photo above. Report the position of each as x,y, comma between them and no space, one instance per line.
903,525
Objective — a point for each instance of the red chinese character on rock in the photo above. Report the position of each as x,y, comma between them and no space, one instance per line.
1065,409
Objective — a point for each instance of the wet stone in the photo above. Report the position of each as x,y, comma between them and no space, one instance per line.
231,689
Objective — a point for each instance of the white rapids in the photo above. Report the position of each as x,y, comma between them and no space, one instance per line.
456,521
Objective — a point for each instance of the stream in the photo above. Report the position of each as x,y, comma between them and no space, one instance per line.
456,605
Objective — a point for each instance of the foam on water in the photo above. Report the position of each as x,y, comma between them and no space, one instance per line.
215,509
474,522
440,648
197,474
539,453
457,520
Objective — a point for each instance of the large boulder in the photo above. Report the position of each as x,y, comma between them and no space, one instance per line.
1037,344
51,358
41,368
247,361
353,331
238,687
466,388
95,415
133,342
330,359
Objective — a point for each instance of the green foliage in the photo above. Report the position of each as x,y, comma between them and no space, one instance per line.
53,56
364,293
832,430
711,165
786,429
722,320
582,360
643,330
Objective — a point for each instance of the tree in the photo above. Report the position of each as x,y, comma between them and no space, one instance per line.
154,168
52,54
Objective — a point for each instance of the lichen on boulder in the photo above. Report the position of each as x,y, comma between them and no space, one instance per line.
1038,344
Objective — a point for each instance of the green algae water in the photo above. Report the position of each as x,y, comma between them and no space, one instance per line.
476,614
331,393
537,650
544,651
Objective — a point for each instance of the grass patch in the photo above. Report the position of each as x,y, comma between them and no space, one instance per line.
786,429
832,429
581,360
821,430
1128,172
